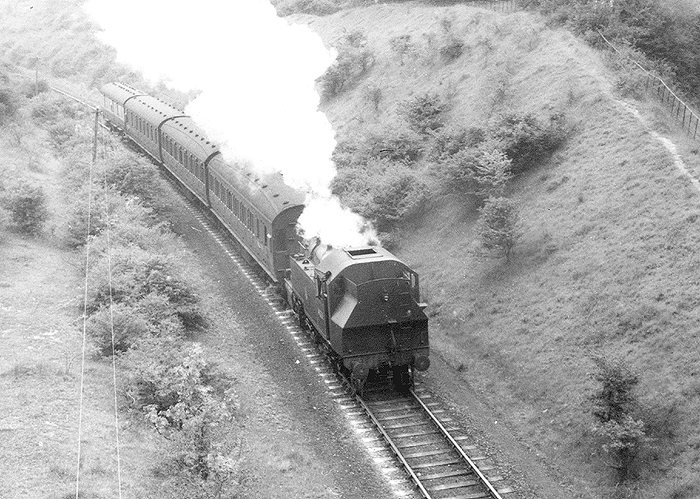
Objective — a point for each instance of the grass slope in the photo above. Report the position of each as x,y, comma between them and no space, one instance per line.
607,264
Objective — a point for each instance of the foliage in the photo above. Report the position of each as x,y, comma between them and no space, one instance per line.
116,329
134,175
612,405
662,32
424,112
374,95
403,47
399,194
497,227
51,109
481,171
614,397
394,142
451,49
189,401
383,191
526,139
451,139
353,61
9,104
26,205
129,275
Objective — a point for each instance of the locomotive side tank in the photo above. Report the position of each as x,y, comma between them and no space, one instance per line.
363,303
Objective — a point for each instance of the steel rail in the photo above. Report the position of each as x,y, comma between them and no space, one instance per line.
395,448
446,434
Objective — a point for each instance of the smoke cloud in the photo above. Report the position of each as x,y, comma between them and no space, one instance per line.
256,75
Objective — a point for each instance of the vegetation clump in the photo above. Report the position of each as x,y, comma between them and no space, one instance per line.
25,205
527,139
497,227
613,405
354,60
424,112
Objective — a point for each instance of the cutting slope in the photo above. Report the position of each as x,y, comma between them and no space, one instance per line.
607,263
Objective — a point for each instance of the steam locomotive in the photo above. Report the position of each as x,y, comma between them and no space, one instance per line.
362,305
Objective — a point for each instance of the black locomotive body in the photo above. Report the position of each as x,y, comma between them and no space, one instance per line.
361,303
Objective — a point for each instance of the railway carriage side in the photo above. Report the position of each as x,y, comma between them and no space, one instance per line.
186,153
260,211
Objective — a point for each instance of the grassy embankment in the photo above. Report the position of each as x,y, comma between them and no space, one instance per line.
607,260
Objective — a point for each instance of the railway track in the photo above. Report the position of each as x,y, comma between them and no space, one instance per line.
411,428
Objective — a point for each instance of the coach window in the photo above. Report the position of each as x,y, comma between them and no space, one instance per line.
265,235
257,228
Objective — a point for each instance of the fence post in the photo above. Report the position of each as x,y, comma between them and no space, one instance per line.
685,108
696,127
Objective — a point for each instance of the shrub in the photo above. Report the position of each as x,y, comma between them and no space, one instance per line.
423,113
191,402
612,405
614,398
133,175
121,322
526,139
353,61
482,172
395,143
497,227
26,205
51,109
396,195
403,47
451,139
9,104
452,49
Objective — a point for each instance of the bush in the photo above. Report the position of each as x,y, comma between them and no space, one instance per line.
526,139
482,172
353,61
395,143
26,205
403,47
191,402
497,227
9,104
452,49
126,325
452,139
612,405
134,175
423,113
397,195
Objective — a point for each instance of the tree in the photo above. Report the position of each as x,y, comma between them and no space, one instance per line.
613,402
497,227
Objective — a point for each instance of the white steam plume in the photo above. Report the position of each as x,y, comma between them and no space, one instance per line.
256,75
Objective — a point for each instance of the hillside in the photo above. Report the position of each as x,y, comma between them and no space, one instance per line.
607,260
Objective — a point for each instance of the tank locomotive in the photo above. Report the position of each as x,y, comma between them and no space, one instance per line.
362,305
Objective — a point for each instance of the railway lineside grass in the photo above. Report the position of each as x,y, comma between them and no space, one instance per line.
606,263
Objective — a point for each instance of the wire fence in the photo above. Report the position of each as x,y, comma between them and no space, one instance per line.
679,110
